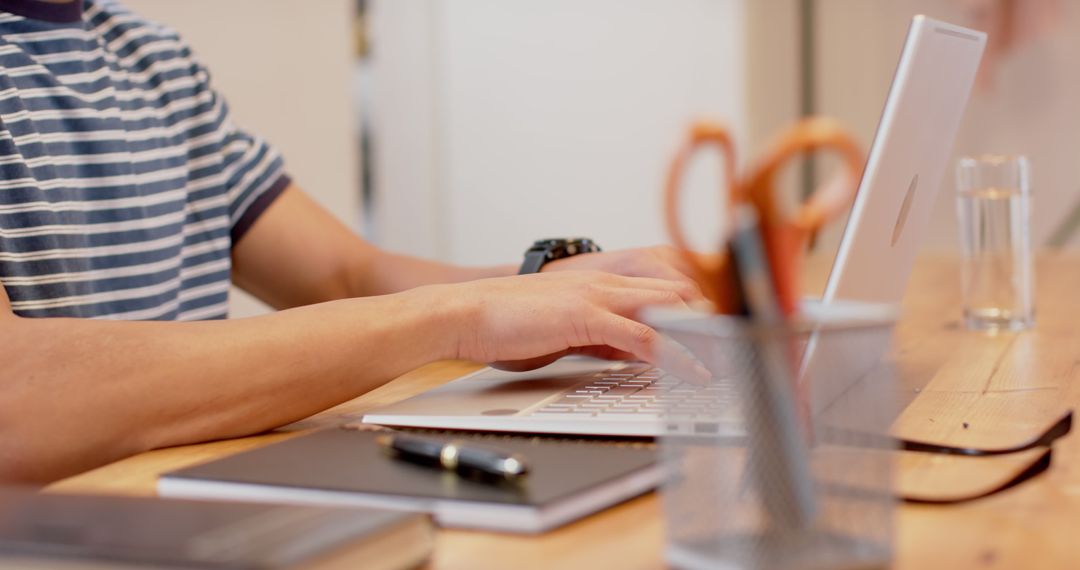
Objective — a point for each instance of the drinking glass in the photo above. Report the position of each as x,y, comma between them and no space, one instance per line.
994,206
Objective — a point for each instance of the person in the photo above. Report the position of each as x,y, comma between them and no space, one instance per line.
128,203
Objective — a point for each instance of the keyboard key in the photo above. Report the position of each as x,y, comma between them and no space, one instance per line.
622,391
637,394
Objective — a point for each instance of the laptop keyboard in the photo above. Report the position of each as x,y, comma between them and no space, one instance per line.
635,390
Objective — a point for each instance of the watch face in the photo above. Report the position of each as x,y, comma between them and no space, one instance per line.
549,243
560,248
583,245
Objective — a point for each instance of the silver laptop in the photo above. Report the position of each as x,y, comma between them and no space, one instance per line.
896,195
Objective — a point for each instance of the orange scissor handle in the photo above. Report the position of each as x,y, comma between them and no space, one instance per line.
785,237
710,271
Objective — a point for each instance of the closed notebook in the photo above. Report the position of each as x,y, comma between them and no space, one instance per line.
91,532
567,480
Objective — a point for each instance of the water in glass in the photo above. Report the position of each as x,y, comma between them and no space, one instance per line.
997,265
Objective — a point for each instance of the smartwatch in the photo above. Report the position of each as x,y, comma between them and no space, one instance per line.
545,251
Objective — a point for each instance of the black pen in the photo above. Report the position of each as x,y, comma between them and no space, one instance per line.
472,461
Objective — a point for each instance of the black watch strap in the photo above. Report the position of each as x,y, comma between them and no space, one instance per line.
534,262
544,251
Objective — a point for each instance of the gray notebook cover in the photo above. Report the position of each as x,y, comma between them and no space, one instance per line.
351,461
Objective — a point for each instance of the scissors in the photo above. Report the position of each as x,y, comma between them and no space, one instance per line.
784,238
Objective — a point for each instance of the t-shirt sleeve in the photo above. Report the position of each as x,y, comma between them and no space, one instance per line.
252,171
254,177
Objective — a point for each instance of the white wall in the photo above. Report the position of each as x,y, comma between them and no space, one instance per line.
501,121
1031,109
285,69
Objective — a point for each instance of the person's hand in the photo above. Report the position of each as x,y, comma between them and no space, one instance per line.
528,321
662,262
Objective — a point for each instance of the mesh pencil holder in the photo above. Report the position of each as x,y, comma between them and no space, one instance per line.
774,457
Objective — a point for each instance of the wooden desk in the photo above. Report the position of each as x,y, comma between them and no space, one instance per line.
1005,386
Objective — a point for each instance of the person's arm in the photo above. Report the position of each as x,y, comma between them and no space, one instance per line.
298,254
79,393
76,394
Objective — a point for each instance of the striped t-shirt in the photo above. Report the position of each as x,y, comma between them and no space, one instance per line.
123,182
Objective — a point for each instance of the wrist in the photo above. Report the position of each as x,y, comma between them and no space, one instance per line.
494,272
450,316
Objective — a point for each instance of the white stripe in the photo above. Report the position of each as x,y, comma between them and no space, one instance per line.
150,223
162,113
140,31
150,314
58,58
98,298
218,178
168,87
172,285
172,264
193,207
104,159
192,164
174,130
178,174
97,205
215,288
101,251
137,78
208,312
202,227
194,271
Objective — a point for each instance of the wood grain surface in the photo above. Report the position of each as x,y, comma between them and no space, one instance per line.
958,386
